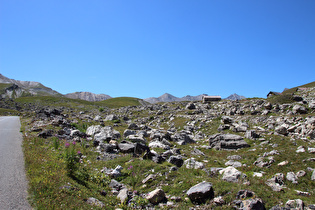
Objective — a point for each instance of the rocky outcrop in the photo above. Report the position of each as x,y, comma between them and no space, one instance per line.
102,134
13,91
20,88
227,141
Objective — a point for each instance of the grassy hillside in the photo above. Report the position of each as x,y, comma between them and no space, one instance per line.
287,95
79,104
7,112
293,90
119,102
56,101
50,162
42,90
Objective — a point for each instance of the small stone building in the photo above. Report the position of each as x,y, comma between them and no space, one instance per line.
272,93
208,99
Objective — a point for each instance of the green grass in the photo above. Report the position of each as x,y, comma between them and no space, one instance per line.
281,99
5,112
77,103
119,102
51,100
49,184
308,85
3,86
81,126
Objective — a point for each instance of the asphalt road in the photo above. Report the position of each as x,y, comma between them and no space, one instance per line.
13,183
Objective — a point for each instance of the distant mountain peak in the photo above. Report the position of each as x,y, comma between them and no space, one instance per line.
26,88
166,97
235,97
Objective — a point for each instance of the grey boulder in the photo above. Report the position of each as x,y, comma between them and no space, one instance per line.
126,147
176,160
292,177
233,163
276,182
111,117
201,192
227,141
95,202
298,109
100,133
251,134
191,163
253,203
156,196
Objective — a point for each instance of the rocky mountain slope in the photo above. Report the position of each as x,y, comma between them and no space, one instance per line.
246,154
87,96
235,97
166,97
15,88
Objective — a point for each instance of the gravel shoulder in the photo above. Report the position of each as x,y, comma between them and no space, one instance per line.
13,183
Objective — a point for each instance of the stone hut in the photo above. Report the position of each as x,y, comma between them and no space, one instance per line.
208,99
272,93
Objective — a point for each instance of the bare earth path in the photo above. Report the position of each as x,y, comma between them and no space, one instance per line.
13,183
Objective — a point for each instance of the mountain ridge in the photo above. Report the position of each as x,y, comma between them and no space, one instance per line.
166,97
22,88
16,88
26,88
88,96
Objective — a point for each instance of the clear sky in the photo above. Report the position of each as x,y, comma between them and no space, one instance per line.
145,48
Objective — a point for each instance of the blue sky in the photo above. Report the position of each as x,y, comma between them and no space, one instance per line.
145,48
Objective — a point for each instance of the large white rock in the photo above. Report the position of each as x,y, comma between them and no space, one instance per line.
311,150
233,163
92,130
102,133
231,174
192,163
292,177
158,144
156,196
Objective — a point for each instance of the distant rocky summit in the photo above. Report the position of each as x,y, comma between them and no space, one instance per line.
170,98
193,98
163,98
11,88
15,88
235,97
87,96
